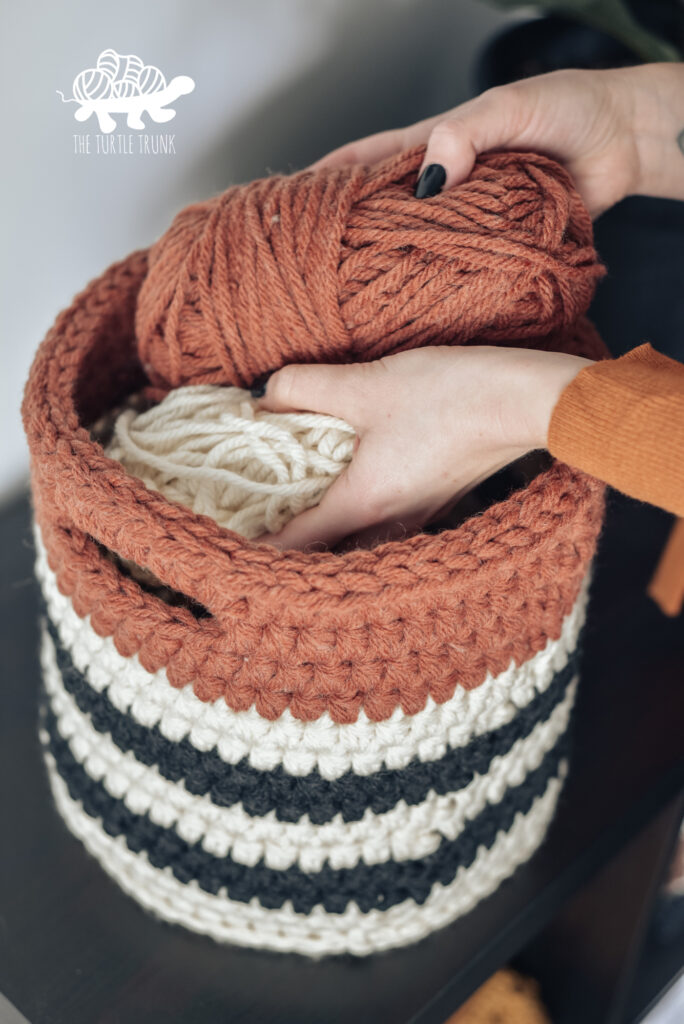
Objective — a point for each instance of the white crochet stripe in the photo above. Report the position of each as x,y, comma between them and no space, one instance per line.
403,833
318,933
364,746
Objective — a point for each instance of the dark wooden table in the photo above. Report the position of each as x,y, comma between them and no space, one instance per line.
75,950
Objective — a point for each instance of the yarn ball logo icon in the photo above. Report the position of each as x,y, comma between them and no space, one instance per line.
120,84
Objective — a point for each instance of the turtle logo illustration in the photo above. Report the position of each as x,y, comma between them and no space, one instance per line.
121,84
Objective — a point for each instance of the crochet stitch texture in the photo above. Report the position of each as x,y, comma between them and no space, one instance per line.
348,750
345,264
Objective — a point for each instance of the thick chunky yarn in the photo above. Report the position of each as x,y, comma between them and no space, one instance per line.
212,450
341,752
347,265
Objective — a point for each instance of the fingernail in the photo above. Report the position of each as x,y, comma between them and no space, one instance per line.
431,181
258,388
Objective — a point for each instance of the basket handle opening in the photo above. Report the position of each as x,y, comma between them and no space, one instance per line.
153,585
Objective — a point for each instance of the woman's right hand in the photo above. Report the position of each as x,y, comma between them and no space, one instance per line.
617,132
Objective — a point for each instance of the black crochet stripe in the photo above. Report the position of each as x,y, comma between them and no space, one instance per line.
293,796
372,887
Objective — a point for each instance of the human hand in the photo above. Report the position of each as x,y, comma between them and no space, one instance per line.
617,132
431,424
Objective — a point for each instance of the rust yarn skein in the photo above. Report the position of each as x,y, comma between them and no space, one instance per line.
341,265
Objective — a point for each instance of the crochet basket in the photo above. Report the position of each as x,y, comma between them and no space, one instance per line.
338,753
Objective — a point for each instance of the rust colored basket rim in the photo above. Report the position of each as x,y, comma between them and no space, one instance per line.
367,629
91,483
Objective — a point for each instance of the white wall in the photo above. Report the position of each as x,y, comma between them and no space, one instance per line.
278,82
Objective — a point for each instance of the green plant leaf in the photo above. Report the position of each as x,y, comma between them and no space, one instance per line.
611,17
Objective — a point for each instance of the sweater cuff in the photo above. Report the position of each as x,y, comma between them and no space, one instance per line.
609,422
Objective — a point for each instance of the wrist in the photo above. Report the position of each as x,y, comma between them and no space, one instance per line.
651,101
542,377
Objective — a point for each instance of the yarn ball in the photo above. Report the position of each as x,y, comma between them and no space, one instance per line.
108,62
124,88
130,68
213,450
345,265
119,76
150,80
92,84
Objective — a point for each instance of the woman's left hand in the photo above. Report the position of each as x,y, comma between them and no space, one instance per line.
431,423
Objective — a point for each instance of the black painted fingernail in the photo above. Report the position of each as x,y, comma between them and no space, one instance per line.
258,388
431,181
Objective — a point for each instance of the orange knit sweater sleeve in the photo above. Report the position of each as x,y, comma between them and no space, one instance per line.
622,421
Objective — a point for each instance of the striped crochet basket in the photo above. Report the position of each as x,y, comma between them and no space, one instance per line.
318,753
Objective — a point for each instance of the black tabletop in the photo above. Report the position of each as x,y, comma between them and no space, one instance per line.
76,950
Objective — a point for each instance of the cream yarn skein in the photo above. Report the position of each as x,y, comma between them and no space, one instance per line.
212,449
